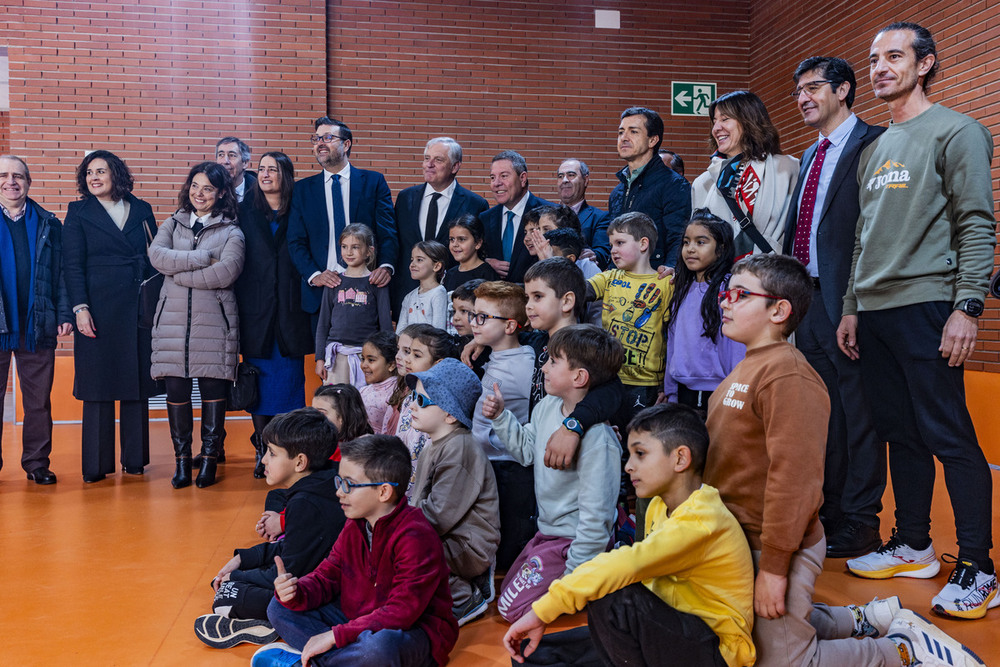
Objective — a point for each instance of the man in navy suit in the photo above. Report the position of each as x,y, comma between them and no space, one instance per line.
504,245
572,180
820,232
441,193
325,203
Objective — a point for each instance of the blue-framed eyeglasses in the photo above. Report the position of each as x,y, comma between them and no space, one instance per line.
347,485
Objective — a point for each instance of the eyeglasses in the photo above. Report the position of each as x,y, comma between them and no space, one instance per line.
325,138
480,318
347,486
737,294
811,88
421,400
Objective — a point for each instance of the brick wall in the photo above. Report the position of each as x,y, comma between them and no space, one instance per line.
4,132
535,77
784,33
157,82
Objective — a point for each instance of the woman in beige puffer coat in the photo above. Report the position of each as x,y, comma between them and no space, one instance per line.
199,250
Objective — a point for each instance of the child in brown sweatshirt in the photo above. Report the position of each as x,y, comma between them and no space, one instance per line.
767,424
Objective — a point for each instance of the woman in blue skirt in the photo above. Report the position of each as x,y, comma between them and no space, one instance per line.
275,334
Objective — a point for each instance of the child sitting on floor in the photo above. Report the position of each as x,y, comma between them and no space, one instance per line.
576,507
341,405
768,426
684,595
455,487
381,596
298,449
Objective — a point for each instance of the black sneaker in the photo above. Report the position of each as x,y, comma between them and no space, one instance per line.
472,609
487,584
219,631
853,539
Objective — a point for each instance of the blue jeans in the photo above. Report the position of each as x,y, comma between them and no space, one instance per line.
392,648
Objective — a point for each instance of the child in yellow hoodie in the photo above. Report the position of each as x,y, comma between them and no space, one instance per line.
686,591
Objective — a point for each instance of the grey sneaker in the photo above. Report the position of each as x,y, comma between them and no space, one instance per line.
873,619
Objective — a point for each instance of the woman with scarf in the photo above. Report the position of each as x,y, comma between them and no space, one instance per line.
749,182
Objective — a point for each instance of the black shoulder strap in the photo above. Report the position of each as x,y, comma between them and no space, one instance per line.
744,220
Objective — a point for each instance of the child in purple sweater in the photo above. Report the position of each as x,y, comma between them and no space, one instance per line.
699,357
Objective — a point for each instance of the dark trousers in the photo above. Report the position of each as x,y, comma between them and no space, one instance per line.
99,436
854,474
634,627
918,407
34,377
245,600
386,648
518,511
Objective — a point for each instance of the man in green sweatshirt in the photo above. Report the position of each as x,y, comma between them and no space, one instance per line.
922,263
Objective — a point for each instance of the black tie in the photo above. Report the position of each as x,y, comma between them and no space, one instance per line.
430,230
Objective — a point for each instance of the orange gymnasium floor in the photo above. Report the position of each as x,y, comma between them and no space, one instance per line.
115,573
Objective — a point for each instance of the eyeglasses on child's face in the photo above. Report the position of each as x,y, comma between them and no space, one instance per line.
480,318
738,294
347,485
421,400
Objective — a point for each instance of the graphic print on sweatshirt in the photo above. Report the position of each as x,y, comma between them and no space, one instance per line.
629,319
352,297
890,175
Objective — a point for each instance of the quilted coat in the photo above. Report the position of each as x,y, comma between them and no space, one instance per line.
196,325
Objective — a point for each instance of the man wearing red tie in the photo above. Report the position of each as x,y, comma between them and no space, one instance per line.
820,233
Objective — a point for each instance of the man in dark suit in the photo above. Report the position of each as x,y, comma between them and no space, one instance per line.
572,180
441,194
820,232
504,245
325,203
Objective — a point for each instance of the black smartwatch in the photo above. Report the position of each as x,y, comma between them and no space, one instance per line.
574,425
971,307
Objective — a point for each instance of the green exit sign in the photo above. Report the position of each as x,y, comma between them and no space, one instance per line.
691,99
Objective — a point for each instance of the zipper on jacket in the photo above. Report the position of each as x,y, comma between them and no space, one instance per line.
187,336
222,307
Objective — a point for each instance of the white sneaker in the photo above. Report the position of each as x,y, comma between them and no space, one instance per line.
926,645
968,593
895,559
873,619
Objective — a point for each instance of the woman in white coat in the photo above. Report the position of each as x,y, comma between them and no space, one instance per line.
749,182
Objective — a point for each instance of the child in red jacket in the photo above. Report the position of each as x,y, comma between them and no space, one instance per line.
382,594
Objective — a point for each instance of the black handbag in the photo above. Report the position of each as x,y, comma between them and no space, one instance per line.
243,393
149,291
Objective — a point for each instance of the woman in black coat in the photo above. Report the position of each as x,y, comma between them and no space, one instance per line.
275,334
104,258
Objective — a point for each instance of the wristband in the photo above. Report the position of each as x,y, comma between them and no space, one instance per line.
79,310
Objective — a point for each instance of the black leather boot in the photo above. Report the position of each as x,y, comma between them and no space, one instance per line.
213,417
259,422
181,433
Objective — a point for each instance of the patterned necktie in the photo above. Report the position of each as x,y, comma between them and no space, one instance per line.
508,237
338,215
803,228
430,229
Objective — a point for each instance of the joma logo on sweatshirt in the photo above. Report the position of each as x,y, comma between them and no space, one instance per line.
890,175
731,402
